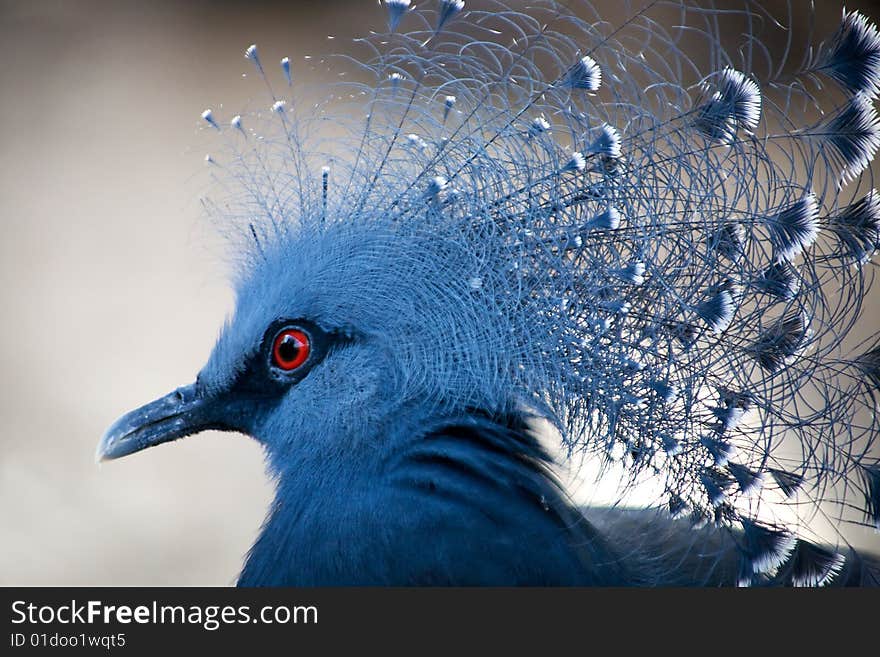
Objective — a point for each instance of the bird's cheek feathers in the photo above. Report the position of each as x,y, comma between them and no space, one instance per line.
341,399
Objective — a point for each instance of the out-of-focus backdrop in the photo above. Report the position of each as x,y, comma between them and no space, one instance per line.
113,287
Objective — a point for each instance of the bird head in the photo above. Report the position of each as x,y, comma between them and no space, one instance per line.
338,331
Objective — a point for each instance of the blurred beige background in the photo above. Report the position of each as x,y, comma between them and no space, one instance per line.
112,290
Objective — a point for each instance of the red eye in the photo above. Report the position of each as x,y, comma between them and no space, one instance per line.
290,349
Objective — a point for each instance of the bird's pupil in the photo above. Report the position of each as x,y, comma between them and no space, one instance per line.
289,348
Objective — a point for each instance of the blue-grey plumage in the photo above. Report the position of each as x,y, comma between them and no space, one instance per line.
466,502
508,219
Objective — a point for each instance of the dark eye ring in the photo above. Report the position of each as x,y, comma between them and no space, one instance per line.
290,349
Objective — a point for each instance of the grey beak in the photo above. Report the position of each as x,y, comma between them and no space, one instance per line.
177,414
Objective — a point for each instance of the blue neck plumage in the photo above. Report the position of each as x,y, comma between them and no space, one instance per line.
469,500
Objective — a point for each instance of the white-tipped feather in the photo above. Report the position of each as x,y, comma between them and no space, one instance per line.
396,10
576,162
794,228
285,67
607,142
718,311
852,57
584,74
208,117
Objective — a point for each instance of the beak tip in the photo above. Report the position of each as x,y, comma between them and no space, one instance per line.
101,450
173,416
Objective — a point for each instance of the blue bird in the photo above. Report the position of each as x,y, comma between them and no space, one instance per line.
504,231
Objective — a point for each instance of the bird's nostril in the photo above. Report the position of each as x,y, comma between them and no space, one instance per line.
184,394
